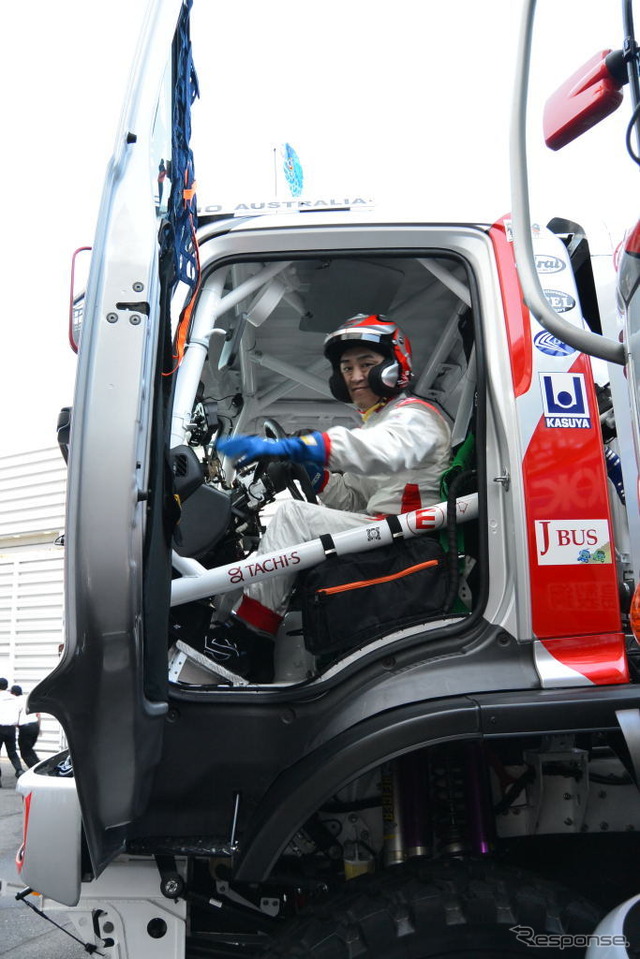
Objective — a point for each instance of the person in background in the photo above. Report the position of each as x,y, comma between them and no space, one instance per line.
9,715
28,729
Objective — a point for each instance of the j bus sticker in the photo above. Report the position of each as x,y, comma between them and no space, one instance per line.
572,542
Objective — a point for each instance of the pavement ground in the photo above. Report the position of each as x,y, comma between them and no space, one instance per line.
23,933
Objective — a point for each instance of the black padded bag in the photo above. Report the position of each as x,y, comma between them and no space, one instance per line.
351,600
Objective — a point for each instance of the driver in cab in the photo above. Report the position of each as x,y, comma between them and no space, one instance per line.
390,464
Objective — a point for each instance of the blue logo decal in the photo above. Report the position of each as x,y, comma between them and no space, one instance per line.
565,401
551,345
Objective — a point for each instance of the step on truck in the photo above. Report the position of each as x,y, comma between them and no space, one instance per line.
460,776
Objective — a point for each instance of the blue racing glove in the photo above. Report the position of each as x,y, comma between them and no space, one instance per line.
243,450
316,475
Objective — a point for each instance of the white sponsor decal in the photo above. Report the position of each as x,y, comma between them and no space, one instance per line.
546,263
239,574
559,300
572,542
432,517
283,206
565,401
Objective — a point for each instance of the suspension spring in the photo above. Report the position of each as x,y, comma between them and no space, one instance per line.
448,803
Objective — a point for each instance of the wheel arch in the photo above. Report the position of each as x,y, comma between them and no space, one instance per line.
297,793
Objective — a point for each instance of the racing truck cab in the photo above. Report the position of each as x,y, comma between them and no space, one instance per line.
461,773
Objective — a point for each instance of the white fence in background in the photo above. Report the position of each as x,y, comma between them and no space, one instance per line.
32,495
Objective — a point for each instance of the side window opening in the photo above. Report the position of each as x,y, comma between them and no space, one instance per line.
258,367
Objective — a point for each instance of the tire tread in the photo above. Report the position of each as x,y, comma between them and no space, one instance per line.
398,912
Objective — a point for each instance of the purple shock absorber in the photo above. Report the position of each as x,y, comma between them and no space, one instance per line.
480,830
413,788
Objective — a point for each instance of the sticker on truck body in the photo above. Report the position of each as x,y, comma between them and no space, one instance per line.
564,400
572,542
551,345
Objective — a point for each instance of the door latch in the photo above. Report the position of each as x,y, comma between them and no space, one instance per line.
504,479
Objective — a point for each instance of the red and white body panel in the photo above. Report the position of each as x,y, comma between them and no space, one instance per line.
573,580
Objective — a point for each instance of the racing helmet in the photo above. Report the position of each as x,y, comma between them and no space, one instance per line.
387,378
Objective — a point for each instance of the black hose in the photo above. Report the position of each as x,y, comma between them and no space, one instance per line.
453,569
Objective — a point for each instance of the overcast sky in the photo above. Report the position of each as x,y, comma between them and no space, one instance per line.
399,102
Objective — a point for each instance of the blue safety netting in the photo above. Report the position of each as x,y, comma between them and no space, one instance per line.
182,201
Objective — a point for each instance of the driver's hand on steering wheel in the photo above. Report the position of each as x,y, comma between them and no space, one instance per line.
244,450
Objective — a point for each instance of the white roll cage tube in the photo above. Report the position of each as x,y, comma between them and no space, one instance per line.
583,340
213,304
197,582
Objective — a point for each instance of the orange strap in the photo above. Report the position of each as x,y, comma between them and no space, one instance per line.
184,323
381,579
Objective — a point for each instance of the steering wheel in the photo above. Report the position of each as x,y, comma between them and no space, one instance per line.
284,473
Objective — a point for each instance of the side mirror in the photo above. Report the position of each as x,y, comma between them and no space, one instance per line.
76,298
586,98
63,430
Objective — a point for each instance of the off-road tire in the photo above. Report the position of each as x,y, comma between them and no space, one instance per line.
432,911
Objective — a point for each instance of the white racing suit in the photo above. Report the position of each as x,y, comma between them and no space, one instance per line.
391,464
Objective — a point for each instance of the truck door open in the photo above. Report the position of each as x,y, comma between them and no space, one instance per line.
108,691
